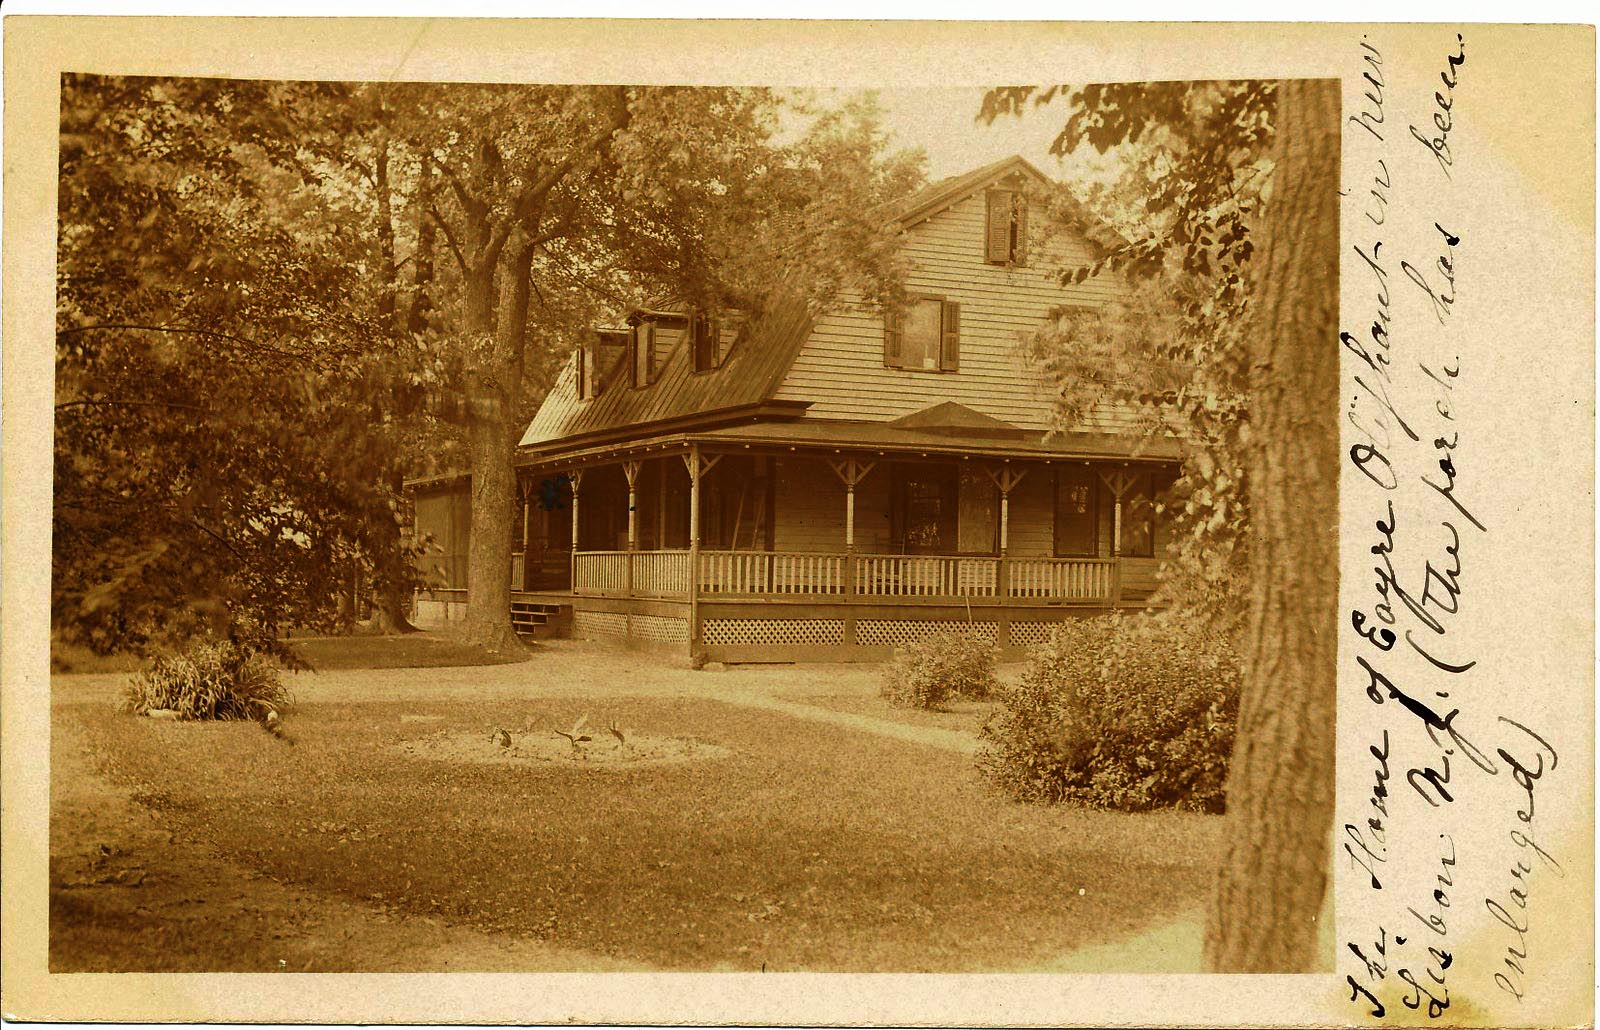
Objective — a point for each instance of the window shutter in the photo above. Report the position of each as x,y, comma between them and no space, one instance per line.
581,366
997,248
950,341
1021,255
892,336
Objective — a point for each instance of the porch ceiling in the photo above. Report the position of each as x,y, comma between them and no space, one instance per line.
879,438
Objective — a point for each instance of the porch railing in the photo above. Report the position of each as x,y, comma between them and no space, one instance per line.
600,572
834,574
660,573
755,573
1061,578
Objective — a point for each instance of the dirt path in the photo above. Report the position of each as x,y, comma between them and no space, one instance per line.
124,888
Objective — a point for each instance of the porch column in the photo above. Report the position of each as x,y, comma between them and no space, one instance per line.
697,466
1005,480
529,492
631,470
575,477
1119,482
850,473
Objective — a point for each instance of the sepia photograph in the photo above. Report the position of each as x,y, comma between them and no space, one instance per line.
1053,516
690,528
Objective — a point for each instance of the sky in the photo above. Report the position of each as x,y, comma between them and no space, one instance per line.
943,123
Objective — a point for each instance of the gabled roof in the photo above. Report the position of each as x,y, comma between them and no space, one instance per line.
935,197
754,366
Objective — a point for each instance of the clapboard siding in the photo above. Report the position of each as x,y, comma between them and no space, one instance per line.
810,503
1031,529
840,366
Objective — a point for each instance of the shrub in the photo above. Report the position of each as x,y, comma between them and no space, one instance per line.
210,680
929,672
1125,712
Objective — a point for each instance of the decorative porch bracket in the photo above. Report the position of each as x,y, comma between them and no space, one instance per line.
851,472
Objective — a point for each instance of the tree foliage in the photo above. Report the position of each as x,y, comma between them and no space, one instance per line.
275,298
1196,172
217,369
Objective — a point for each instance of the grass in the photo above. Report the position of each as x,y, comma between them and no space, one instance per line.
808,848
955,715
359,651
406,651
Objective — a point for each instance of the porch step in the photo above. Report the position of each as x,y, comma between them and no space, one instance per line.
538,620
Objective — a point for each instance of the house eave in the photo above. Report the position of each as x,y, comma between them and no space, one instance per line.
770,410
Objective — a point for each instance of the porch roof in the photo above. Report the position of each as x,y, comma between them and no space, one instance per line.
838,436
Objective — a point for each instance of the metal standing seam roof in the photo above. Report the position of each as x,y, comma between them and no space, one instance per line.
755,365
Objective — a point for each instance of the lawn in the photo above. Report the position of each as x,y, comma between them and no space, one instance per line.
806,847
355,651
955,715
406,651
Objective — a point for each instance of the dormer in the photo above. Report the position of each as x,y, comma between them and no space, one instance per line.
598,359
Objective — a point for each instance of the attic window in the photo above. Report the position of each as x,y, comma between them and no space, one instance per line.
1006,236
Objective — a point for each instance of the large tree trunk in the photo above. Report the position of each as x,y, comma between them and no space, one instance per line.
422,260
495,391
1275,869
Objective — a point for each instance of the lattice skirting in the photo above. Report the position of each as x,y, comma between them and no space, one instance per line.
772,631
661,628
1032,634
599,624
892,632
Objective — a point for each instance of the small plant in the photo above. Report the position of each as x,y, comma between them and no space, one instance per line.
928,673
1124,712
576,736
211,680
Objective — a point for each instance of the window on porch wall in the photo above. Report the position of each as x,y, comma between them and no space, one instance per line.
1077,513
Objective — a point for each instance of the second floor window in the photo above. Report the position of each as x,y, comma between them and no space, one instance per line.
925,335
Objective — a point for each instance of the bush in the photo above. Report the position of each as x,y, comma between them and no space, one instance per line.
209,680
1125,712
929,672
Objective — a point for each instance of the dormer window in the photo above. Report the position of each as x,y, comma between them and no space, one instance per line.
1006,238
644,354
925,335
596,359
710,338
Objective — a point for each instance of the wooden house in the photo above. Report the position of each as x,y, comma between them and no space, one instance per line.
790,486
